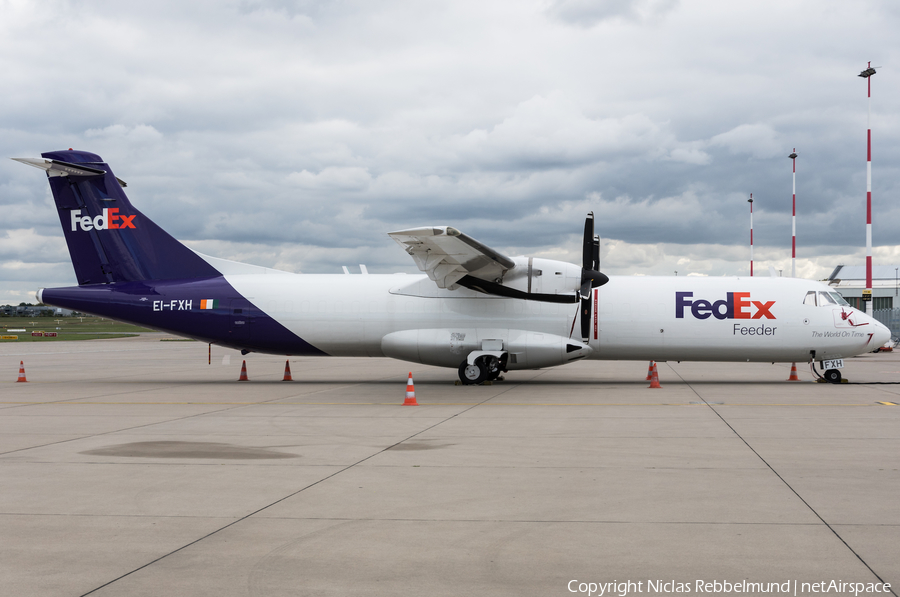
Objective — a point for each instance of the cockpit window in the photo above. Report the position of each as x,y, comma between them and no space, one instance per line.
825,299
840,300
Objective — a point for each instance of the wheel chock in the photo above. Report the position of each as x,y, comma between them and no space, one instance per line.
484,383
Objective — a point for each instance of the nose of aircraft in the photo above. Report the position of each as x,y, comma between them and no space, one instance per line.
882,335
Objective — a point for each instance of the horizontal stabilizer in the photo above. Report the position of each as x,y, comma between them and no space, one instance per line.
58,168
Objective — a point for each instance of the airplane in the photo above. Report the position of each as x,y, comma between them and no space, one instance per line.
473,309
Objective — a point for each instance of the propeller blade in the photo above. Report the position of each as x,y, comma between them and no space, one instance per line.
590,277
587,246
586,318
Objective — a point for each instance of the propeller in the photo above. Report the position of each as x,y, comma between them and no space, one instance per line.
590,276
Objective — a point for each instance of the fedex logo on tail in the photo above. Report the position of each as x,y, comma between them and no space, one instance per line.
737,305
108,220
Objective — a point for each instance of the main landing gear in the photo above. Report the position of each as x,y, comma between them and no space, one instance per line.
484,368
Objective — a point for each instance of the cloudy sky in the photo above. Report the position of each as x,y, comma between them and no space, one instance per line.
296,133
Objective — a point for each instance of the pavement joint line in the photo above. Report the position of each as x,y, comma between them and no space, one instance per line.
123,393
437,520
73,439
450,520
75,402
70,402
290,495
548,521
383,466
783,480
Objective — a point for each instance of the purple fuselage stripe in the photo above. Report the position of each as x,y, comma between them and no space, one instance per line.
174,306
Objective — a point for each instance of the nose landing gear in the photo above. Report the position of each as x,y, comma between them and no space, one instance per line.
832,376
829,375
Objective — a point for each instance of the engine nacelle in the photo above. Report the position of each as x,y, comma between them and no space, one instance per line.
533,275
450,347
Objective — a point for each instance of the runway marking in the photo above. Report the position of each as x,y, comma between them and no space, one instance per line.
399,403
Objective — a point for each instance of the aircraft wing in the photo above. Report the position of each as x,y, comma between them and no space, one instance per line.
446,255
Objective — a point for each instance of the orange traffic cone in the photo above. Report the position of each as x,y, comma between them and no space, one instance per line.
21,371
287,371
654,377
243,376
410,393
793,376
650,371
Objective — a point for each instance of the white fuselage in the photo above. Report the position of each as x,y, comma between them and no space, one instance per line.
635,317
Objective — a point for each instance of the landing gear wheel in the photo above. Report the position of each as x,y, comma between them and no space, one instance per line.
832,376
473,374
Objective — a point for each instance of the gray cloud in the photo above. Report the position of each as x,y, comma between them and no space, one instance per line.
586,13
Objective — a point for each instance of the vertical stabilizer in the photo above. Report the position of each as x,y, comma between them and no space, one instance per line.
109,240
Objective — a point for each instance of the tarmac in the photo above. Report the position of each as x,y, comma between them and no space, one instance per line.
133,467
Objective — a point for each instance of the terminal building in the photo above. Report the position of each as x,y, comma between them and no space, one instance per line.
850,281
33,311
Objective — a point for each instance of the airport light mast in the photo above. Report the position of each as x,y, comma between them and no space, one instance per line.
867,293
750,201
793,157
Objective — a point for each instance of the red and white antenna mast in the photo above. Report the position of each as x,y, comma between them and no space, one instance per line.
867,75
793,157
750,201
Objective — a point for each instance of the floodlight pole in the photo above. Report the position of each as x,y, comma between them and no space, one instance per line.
750,201
793,157
867,75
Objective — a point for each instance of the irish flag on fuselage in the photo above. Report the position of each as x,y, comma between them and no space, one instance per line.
209,303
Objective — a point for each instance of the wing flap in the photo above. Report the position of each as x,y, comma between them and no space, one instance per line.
446,255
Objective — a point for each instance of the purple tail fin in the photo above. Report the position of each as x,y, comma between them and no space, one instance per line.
109,240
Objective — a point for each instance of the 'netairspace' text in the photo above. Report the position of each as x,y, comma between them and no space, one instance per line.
623,588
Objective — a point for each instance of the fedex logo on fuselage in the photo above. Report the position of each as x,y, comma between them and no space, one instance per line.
737,305
108,220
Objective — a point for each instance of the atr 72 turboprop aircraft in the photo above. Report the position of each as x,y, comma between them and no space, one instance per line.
475,309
